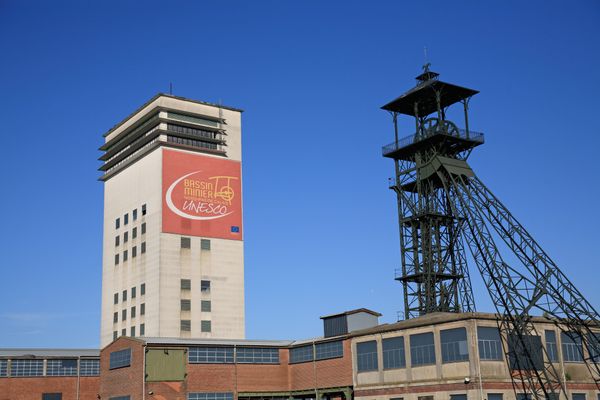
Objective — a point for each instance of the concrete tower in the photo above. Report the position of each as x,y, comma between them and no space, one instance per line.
173,239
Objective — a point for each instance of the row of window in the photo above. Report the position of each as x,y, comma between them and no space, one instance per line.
134,234
133,293
54,367
198,133
194,143
132,313
205,305
186,243
134,217
205,325
133,253
225,355
132,332
320,351
186,284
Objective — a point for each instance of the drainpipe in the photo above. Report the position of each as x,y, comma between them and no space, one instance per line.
144,372
78,374
478,360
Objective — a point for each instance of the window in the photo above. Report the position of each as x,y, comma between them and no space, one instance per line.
205,286
551,346
143,209
89,367
186,243
143,309
61,367
115,317
134,214
327,350
124,295
142,329
186,305
115,335
116,298
134,233
525,353
125,256
489,342
366,356
117,223
301,354
116,259
186,284
454,345
144,228
132,312
3,367
205,305
143,289
51,396
210,396
143,247
524,396
205,326
257,355
123,332
132,331
204,244
125,219
393,353
425,398
133,252
26,367
459,396
119,398
494,396
571,347
593,346
210,355
185,325
124,315
578,396
422,349
133,292
125,237
120,359
117,240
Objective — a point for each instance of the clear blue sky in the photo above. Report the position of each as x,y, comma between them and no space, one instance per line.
320,222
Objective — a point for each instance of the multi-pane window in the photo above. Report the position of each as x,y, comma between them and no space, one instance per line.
115,335
572,348
186,284
133,292
494,396
186,242
116,259
593,346
125,256
3,367
301,354
204,244
143,309
143,289
133,252
578,396
186,305
125,237
116,298
205,306
133,312
26,367
120,398
143,247
327,350
142,329
61,367
461,396
144,228
116,317
454,345
205,326
257,355
121,358
51,396
185,325
393,353
125,219
422,349
210,355
124,295
123,332
89,367
134,214
366,356
551,346
205,286
525,352
523,396
132,331
117,240
210,396
143,209
489,342
134,233
117,223
124,315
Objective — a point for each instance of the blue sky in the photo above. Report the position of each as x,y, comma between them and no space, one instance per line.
320,224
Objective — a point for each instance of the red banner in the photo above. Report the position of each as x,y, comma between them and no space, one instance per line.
202,196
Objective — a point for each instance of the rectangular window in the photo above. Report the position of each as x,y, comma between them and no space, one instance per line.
134,233
132,312
26,367
366,356
210,355
116,259
3,367
205,286
459,396
323,351
454,345
204,244
422,349
578,396
125,237
593,346
185,325
210,396
186,284
124,295
133,292
144,228
115,335
186,305
61,367
143,247
523,396
133,252
393,353
143,309
125,256
143,209
489,342
134,214
205,326
132,331
89,367
119,398
115,317
301,354
551,346
257,355
125,219
116,298
143,289
205,306
120,359
51,396
571,347
117,223
124,315
123,332
117,238
142,329
186,243
494,396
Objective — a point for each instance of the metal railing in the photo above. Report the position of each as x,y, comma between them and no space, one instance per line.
408,140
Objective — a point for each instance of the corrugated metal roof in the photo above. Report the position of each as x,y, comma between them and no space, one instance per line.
41,353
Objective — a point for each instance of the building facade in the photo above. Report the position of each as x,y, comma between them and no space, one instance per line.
173,236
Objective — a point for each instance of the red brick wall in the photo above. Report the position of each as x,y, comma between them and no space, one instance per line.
126,380
328,373
33,388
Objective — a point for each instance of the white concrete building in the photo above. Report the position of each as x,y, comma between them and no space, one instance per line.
173,239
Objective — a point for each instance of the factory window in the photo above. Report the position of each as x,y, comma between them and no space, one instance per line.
27,367
143,289
199,133
115,317
143,209
205,306
571,347
257,355
422,349
123,332
186,305
552,396
125,219
120,359
205,286
89,367
551,346
125,237
132,312
125,256
142,329
205,326
366,356
301,354
204,244
117,240
115,335
124,315
124,295
144,228
117,223
524,396
186,242
61,367
210,396
116,259
454,345
425,398
494,396
210,355
116,298
143,309
132,331
593,346
3,367
462,396
134,214
133,292
133,252
134,233
489,343
393,353
185,325
578,396
143,250
51,396
327,350
186,284
120,398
